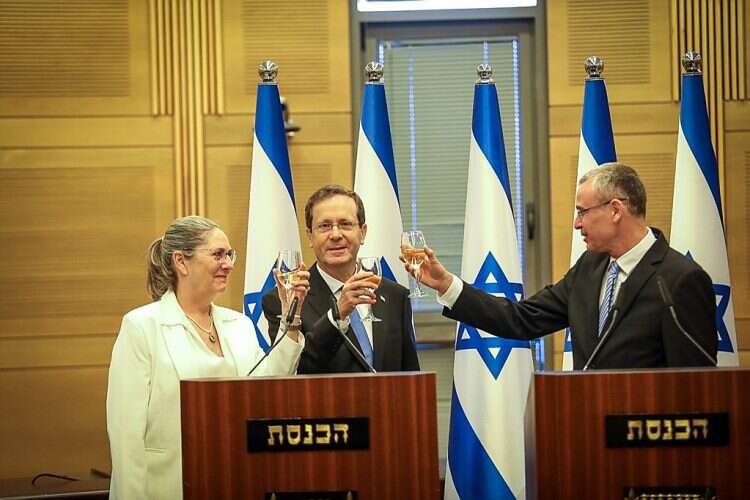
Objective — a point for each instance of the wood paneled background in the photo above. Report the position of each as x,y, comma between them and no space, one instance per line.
641,42
118,115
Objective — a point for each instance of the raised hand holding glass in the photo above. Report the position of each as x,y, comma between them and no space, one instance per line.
412,249
372,265
288,264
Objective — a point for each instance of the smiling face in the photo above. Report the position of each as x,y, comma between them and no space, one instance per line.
203,274
336,249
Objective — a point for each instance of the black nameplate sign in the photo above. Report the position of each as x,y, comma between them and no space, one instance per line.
311,495
670,429
308,434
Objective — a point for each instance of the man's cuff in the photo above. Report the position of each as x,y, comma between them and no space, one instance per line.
451,294
342,324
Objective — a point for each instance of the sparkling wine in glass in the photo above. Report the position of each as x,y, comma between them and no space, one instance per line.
288,263
412,249
372,265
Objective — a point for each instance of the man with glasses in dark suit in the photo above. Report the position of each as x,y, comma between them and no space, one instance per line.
336,228
610,298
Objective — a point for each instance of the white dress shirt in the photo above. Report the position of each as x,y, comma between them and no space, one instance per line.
627,262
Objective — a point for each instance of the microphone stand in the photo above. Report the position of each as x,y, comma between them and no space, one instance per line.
615,312
667,298
283,327
357,354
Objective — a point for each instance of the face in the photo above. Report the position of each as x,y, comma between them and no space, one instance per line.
336,250
203,273
597,225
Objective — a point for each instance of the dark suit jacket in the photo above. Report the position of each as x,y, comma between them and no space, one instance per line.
325,350
643,334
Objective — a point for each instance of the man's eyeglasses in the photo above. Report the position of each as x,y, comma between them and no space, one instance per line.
580,212
220,254
327,227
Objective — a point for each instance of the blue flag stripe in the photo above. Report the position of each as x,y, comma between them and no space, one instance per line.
596,125
474,475
485,125
254,313
694,122
377,129
269,128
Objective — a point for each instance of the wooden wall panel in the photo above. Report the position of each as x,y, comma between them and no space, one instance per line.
308,39
73,58
631,37
79,220
229,184
66,132
86,217
737,222
316,128
54,419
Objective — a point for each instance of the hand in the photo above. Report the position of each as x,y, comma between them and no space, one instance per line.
300,287
431,272
357,290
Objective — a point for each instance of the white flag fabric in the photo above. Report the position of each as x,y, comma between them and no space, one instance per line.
272,216
492,376
375,182
697,220
597,146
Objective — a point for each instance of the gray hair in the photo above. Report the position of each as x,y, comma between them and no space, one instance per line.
617,180
184,234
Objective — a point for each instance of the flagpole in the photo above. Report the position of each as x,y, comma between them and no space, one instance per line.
491,375
596,146
272,215
697,204
375,179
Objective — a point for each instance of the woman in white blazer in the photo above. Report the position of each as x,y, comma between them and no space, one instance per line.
179,336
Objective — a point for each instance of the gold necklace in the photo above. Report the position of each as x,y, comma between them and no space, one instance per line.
209,332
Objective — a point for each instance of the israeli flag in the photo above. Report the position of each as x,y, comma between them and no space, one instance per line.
491,376
272,216
375,181
697,220
597,146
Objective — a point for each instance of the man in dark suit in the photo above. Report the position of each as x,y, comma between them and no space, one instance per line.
610,298
335,220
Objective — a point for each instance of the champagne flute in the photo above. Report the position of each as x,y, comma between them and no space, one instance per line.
412,248
288,263
372,265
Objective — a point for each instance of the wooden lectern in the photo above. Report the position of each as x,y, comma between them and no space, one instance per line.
358,436
623,434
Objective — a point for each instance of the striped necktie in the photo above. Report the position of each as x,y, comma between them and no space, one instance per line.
609,292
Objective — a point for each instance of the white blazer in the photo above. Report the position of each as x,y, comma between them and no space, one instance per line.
151,355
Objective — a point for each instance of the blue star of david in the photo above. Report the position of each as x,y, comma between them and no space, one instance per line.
492,279
254,308
723,294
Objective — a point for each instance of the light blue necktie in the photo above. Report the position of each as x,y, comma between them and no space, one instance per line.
361,333
609,292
